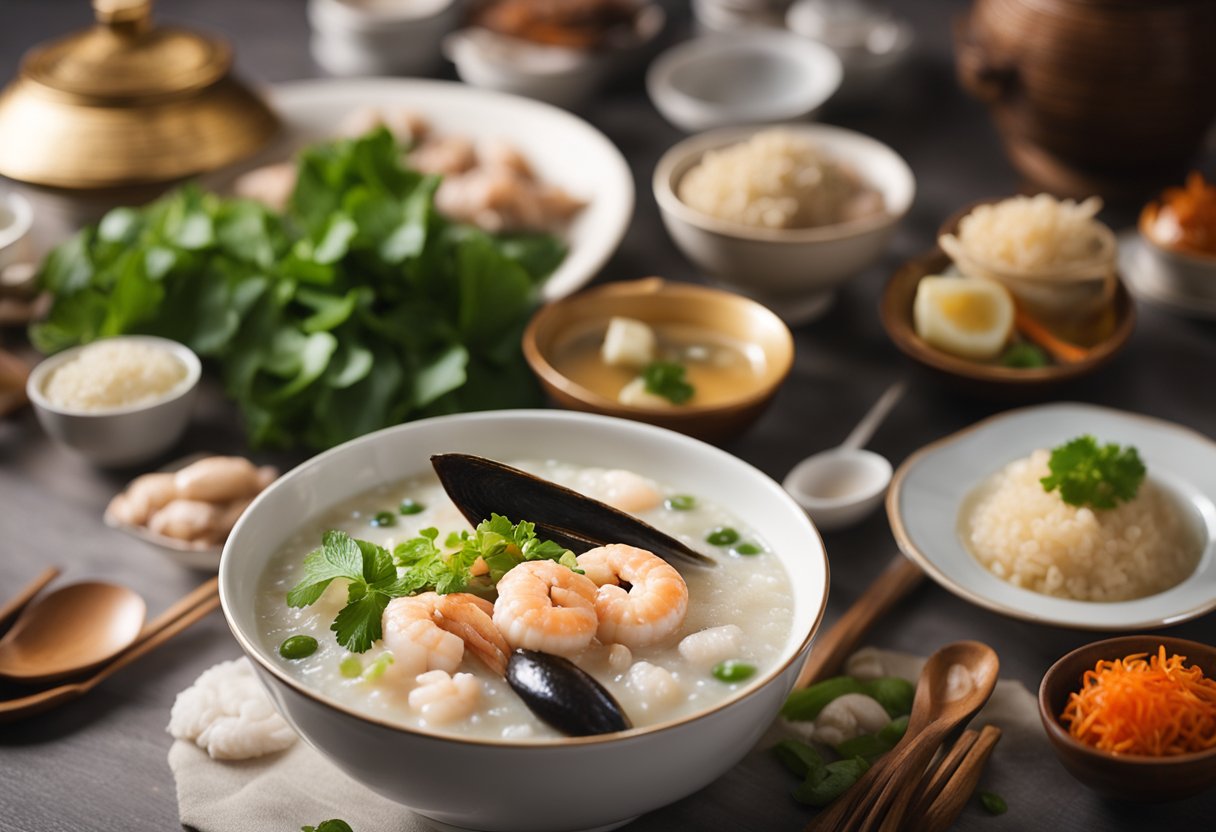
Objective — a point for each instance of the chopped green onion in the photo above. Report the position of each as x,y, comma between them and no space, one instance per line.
681,502
298,647
722,536
409,506
800,758
376,669
993,803
806,704
351,667
733,671
384,518
747,549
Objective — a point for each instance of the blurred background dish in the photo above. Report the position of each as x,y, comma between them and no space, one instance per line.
756,77
708,332
869,40
792,270
731,16
558,53
380,37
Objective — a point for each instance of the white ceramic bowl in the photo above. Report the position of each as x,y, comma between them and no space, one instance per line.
841,487
751,77
928,493
121,436
632,772
559,76
379,38
792,271
870,46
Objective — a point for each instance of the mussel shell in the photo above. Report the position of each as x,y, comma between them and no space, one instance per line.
564,695
480,487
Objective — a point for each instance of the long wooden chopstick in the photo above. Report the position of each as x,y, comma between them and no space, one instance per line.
945,808
18,603
831,649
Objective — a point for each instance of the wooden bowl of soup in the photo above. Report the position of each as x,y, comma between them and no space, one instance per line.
734,353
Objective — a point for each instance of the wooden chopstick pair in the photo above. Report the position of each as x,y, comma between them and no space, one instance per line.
947,787
197,604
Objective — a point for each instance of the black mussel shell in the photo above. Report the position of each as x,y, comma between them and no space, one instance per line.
565,696
480,487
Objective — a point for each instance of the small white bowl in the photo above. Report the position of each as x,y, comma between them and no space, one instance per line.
751,77
120,436
793,271
380,37
560,76
839,488
870,46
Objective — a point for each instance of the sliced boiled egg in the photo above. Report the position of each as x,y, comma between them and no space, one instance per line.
964,316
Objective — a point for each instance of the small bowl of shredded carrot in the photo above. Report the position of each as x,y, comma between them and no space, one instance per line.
1178,234
1135,717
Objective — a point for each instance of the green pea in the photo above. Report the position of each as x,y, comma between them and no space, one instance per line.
893,693
747,549
733,671
723,536
800,758
993,803
681,502
384,518
350,667
409,506
831,783
298,647
806,704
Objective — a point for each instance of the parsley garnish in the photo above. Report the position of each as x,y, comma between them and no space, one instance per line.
1099,476
666,379
375,576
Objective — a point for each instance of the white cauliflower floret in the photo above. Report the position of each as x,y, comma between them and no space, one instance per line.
865,665
228,714
656,686
849,716
708,647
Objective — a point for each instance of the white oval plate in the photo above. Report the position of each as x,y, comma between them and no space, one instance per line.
928,491
563,149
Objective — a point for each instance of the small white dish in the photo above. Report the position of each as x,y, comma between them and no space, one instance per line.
732,16
556,75
870,46
795,272
1178,283
928,492
562,149
120,436
840,487
380,37
750,77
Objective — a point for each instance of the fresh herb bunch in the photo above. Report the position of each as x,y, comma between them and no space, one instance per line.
357,308
374,578
666,379
1089,474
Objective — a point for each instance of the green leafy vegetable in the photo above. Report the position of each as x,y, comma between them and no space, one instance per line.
832,782
873,746
893,693
806,704
373,577
357,308
1089,474
666,379
334,825
993,803
801,759
1025,356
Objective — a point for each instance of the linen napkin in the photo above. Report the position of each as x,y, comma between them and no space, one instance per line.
298,786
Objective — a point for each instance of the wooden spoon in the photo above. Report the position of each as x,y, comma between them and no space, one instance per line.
194,606
70,631
955,683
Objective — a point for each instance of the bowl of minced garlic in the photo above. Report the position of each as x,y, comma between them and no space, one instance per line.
118,401
1134,718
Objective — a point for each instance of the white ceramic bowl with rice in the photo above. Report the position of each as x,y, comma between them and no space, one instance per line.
634,771
969,510
793,270
118,401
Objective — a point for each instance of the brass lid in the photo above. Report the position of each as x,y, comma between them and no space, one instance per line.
126,103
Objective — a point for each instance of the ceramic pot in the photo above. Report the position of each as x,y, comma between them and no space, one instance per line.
1094,96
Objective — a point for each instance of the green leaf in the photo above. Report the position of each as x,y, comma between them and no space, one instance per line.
666,379
1087,474
893,693
441,376
121,225
330,311
334,241
836,778
805,704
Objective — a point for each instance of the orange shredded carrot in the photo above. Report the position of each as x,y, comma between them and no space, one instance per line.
1058,348
1154,706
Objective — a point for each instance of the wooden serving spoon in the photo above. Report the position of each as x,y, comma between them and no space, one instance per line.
71,630
955,683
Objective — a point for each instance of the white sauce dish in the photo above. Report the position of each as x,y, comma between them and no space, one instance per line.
380,37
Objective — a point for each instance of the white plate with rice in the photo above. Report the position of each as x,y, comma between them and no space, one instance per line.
975,494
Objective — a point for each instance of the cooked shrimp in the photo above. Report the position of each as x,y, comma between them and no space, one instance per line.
430,632
652,607
543,605
441,698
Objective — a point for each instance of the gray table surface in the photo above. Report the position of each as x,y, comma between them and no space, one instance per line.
99,764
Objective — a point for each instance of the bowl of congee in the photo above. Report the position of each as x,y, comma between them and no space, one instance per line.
702,361
526,620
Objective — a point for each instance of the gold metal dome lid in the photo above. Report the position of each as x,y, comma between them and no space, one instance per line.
127,103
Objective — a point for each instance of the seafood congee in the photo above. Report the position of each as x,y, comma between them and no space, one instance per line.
396,606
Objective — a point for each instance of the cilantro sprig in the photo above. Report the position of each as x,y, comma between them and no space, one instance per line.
1089,474
666,379
375,576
